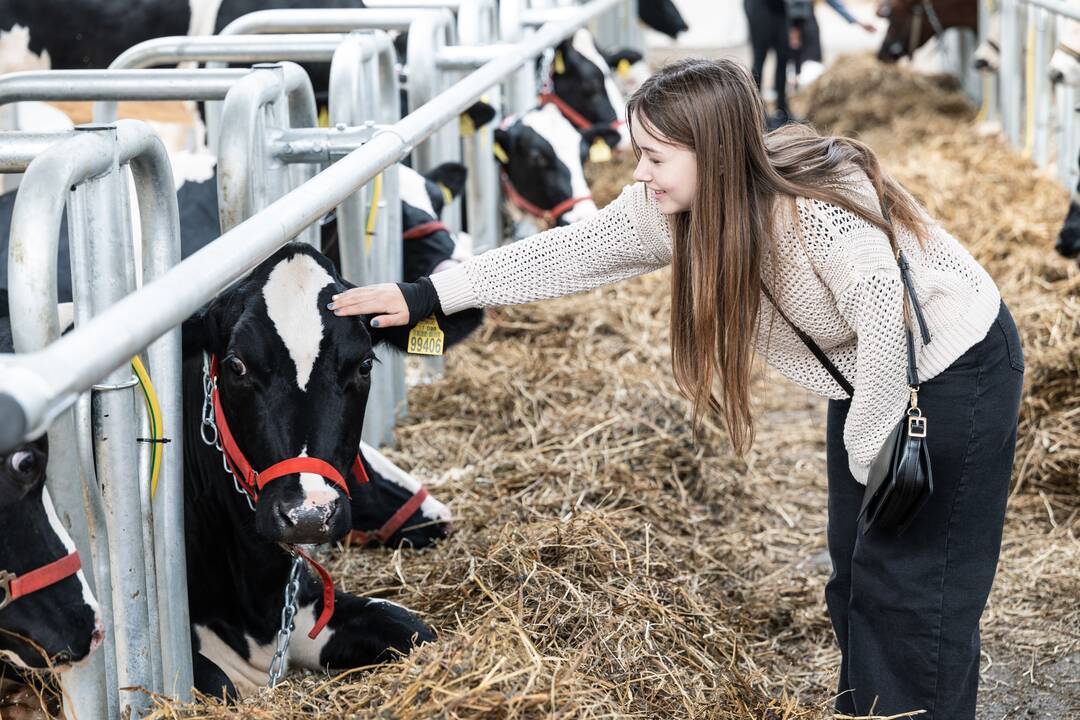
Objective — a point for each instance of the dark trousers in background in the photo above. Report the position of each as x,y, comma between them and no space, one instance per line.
906,609
768,26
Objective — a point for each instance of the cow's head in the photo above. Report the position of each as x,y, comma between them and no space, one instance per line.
912,23
1065,62
581,78
423,198
542,155
662,16
293,380
628,69
987,56
389,491
58,624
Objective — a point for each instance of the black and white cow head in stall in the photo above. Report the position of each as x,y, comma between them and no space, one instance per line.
1068,242
293,382
581,86
542,157
1065,62
48,615
628,70
662,16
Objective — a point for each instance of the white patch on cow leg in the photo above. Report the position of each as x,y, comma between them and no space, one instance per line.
247,675
412,186
15,52
69,545
431,508
292,302
303,651
317,492
203,16
565,140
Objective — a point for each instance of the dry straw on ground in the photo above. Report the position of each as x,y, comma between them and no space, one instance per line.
604,566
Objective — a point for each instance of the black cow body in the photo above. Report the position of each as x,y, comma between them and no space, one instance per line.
1068,242
294,382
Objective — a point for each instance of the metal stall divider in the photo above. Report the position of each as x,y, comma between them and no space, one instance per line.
90,163
1027,99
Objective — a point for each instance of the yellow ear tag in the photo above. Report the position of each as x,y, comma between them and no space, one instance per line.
467,126
599,152
426,338
324,117
623,68
560,66
448,197
500,154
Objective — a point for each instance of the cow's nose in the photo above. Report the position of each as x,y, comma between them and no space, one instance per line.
306,523
981,64
1056,76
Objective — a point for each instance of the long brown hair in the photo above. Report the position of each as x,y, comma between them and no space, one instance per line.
713,108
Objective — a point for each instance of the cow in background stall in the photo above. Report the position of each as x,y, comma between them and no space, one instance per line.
1068,242
913,22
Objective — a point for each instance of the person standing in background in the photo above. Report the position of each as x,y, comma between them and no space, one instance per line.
772,24
806,45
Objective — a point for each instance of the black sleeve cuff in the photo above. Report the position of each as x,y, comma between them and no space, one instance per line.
420,297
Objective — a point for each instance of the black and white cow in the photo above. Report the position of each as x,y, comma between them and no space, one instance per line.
628,69
542,159
662,16
48,615
582,87
1064,64
293,382
1068,242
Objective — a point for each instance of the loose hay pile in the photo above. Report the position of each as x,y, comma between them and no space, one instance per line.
603,566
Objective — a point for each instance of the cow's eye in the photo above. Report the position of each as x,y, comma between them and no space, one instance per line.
23,463
365,366
538,160
236,365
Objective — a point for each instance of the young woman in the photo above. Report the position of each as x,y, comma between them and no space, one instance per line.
738,214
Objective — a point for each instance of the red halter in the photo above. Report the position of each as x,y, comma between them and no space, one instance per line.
548,97
423,230
391,526
252,482
13,587
549,216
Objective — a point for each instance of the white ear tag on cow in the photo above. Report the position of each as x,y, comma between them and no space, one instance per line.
623,68
426,338
467,126
560,64
599,152
500,154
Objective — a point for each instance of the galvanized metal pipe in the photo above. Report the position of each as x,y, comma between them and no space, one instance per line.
36,387
18,149
165,84
1012,75
1069,10
233,48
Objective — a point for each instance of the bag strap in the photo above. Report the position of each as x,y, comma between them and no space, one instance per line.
909,296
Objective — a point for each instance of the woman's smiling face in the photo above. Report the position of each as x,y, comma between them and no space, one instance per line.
668,170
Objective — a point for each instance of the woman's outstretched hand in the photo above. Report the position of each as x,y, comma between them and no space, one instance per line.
385,301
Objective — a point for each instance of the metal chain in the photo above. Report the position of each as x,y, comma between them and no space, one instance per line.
278,664
209,430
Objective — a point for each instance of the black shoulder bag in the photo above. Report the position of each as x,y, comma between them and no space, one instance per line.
900,480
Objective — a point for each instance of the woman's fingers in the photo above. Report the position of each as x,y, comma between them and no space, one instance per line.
383,300
390,320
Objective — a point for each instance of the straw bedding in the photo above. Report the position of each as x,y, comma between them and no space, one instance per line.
604,565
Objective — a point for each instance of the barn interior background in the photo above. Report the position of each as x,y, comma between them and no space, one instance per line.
602,564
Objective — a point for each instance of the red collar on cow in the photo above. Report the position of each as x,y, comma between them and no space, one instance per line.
548,97
253,481
13,587
391,526
423,229
549,216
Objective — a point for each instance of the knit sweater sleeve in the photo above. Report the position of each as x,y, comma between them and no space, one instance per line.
628,237
870,298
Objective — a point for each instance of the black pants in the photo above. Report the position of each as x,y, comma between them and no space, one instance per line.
906,609
769,31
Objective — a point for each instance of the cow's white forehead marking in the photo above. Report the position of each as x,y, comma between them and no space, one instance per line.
317,491
69,545
413,190
292,302
564,138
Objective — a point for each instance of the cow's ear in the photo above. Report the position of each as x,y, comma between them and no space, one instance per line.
504,145
621,60
476,116
450,177
204,331
455,328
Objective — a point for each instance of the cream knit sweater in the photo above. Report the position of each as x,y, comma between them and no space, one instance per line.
837,280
